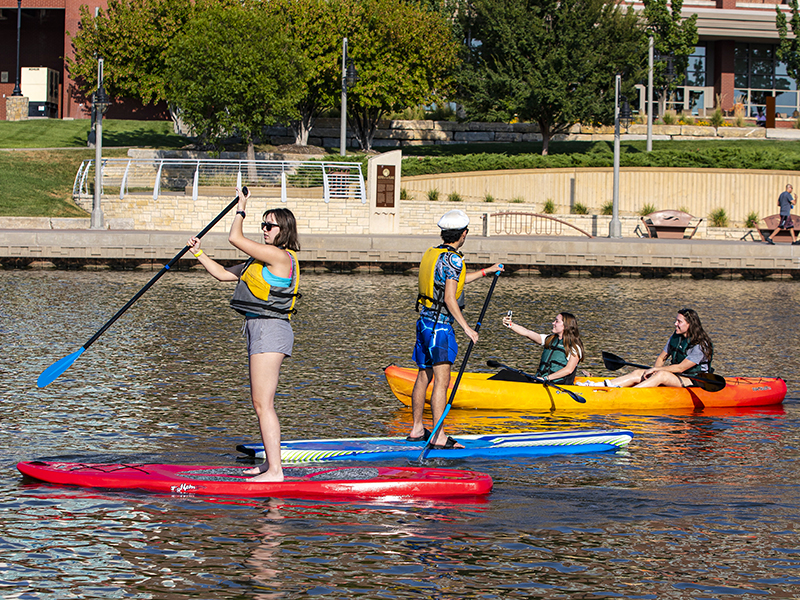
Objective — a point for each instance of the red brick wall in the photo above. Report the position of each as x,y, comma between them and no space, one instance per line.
724,69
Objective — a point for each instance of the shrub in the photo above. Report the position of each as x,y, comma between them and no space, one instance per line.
488,198
549,207
718,218
433,195
579,209
717,118
669,118
454,197
404,195
688,119
683,209
518,200
607,208
752,220
646,210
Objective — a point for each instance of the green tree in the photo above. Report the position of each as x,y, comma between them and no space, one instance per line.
233,70
316,26
405,56
552,62
673,37
789,48
133,37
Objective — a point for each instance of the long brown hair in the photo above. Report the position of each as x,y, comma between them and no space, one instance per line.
287,236
571,338
696,334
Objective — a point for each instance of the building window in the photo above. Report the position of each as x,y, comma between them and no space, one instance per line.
758,74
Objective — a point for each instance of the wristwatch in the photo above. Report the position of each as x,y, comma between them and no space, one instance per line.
241,212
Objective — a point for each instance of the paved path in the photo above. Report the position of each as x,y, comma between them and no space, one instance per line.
548,255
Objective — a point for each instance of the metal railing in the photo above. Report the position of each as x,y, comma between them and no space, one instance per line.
522,223
335,180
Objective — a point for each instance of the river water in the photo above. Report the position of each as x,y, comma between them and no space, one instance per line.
700,505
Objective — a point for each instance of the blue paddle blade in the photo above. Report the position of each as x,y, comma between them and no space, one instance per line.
57,368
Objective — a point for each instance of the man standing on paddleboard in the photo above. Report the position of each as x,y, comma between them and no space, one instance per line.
442,276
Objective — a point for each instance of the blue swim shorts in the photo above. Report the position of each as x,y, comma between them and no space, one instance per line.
436,343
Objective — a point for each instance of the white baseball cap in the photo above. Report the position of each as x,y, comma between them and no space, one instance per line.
454,219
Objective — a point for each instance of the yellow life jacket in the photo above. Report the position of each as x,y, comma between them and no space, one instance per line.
255,297
431,293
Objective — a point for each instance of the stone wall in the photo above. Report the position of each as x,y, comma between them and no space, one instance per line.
395,134
16,108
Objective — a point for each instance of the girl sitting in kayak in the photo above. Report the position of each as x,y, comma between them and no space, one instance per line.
689,349
563,348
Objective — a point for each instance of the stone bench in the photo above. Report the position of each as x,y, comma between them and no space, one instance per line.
784,235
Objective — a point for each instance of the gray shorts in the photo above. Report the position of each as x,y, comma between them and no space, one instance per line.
268,335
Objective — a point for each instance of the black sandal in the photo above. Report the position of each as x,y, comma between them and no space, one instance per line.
420,438
450,444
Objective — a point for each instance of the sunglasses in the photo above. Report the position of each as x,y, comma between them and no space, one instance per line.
269,226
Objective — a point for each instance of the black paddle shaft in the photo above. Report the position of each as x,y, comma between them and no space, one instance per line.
158,275
533,379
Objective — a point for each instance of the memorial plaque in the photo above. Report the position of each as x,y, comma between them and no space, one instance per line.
384,191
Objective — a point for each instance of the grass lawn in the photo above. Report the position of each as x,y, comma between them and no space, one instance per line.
55,133
39,182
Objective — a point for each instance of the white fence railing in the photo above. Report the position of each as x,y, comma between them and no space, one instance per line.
337,180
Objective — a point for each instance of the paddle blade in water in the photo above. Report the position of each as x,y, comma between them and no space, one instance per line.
57,368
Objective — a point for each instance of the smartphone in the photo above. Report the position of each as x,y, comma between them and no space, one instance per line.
511,312
244,190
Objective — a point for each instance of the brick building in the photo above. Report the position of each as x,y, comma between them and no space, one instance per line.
734,61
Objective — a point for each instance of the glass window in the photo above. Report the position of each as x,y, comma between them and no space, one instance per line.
761,73
696,102
782,79
762,51
785,103
696,71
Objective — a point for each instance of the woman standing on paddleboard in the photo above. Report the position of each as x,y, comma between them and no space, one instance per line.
689,349
265,294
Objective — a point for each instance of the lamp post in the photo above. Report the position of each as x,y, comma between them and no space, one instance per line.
621,113
651,43
100,105
349,79
17,90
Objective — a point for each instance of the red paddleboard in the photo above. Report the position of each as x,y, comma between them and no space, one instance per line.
299,482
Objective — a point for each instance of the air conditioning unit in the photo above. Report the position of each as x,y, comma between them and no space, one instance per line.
40,85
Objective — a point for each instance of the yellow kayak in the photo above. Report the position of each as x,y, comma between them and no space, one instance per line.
478,391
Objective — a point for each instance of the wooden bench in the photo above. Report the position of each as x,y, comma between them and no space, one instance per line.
670,224
771,222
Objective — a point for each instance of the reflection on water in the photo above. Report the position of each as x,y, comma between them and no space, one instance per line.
700,505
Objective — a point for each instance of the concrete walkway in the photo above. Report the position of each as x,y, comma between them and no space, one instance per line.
22,248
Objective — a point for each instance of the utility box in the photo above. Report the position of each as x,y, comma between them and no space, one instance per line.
40,85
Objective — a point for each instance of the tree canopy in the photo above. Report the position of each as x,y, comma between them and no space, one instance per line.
789,48
552,62
133,37
234,69
405,56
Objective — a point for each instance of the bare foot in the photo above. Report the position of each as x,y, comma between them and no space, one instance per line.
268,476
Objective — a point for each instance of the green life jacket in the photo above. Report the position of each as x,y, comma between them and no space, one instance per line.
678,350
254,297
554,358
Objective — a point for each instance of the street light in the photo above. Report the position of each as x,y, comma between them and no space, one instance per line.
650,45
17,91
349,79
100,105
622,113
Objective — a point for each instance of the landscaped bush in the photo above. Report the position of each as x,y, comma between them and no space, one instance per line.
549,207
518,200
646,210
752,220
607,208
488,198
579,209
454,197
718,217
433,195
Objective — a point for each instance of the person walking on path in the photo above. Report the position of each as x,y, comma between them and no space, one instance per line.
442,275
265,294
786,201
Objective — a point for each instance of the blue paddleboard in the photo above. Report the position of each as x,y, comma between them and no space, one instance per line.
503,445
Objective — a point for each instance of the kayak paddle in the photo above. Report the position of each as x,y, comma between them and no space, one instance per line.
440,424
533,379
707,381
58,367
